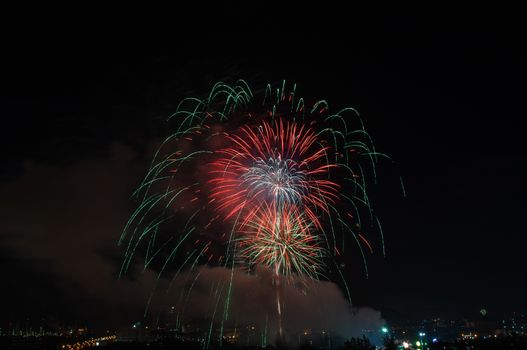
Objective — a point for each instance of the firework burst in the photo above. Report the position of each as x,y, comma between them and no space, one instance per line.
273,164
282,240
263,180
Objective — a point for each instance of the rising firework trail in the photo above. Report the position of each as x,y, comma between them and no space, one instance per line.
249,180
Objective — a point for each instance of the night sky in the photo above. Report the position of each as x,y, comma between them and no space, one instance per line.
440,89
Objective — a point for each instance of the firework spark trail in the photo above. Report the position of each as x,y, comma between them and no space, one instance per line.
280,239
269,182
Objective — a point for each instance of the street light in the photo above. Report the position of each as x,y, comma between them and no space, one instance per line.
384,330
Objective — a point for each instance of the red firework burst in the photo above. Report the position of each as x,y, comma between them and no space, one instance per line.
273,164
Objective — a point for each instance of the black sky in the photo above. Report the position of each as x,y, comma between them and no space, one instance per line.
441,89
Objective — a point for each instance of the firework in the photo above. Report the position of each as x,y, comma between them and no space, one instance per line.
282,239
264,180
280,164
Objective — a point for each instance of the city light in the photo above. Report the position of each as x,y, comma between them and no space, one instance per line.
86,344
384,330
421,335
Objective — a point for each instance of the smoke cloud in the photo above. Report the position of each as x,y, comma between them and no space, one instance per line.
67,219
320,306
